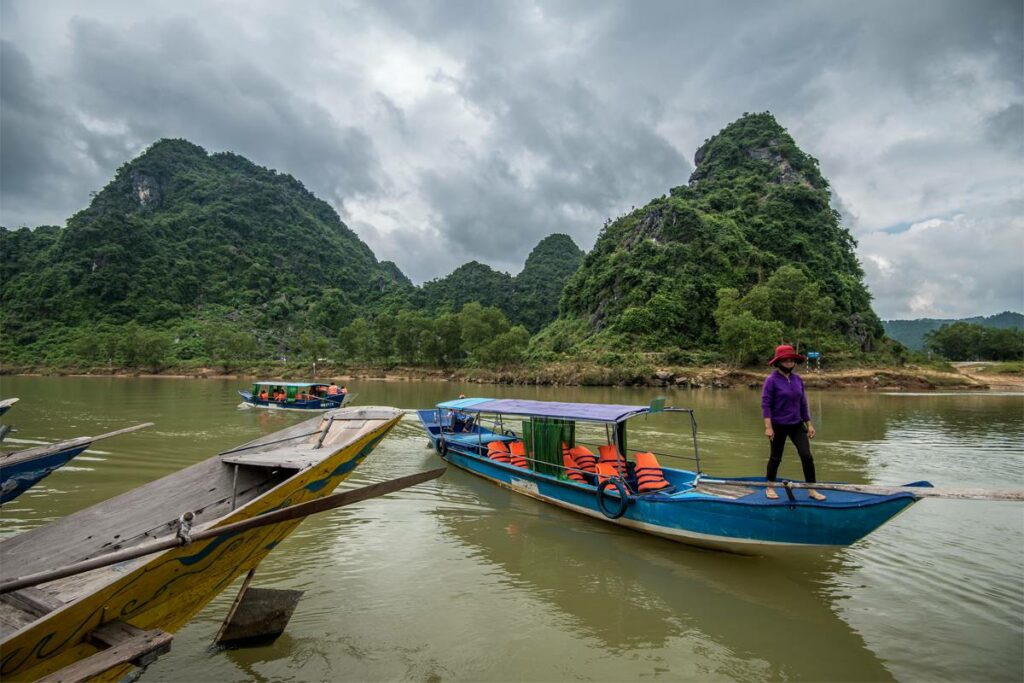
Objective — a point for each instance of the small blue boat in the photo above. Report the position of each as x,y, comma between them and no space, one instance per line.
21,470
531,447
296,396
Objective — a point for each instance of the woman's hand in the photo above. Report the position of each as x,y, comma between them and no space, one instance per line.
769,432
810,431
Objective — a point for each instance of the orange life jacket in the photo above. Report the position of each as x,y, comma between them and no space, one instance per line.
606,470
497,450
263,396
333,390
649,476
571,468
609,456
518,449
585,460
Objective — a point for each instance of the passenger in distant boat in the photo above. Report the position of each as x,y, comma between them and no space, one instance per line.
263,395
333,390
786,415
344,390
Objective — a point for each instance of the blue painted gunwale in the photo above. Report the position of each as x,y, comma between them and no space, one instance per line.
18,478
749,524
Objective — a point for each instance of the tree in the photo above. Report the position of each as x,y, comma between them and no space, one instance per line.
480,325
441,340
383,334
409,334
312,345
226,346
507,348
354,340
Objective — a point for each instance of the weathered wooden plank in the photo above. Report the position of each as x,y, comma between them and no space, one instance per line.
235,604
722,491
143,648
32,601
261,615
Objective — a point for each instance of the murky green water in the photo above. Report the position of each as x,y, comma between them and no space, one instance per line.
458,580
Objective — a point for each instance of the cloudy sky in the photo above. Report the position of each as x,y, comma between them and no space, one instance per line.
449,131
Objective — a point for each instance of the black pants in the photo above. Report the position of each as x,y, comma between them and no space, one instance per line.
803,447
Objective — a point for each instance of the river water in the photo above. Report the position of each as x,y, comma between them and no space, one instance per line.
456,580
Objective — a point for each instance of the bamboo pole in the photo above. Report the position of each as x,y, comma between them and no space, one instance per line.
283,515
70,443
919,491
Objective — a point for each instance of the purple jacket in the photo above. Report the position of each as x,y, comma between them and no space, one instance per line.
783,399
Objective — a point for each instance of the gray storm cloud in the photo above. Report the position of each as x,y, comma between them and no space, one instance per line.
450,131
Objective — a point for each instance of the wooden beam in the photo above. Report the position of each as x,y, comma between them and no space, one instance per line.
273,517
133,646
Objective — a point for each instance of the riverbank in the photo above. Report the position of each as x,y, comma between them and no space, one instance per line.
883,378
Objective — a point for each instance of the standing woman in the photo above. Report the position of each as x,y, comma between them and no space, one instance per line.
785,412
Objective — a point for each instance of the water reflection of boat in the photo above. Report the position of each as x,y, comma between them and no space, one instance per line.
21,470
730,514
48,627
755,618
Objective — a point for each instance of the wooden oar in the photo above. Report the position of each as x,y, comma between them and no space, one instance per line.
77,441
283,515
923,491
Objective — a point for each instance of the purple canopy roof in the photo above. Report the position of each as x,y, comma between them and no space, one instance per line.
597,412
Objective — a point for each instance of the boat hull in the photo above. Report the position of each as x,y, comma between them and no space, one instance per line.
164,591
751,524
18,478
318,405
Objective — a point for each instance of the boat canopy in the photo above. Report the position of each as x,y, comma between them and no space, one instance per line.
594,412
291,384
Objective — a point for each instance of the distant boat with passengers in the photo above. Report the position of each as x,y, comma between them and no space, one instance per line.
277,395
576,456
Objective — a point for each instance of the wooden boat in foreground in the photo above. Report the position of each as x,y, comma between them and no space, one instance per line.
296,396
52,625
21,470
636,491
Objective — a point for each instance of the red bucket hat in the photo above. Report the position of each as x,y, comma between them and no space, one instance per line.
786,352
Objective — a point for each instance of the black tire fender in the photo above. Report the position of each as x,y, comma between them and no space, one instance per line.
442,447
624,498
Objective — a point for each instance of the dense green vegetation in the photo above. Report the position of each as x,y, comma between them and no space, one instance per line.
183,243
963,341
529,299
188,259
703,266
911,333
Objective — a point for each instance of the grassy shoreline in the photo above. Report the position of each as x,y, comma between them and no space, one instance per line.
567,373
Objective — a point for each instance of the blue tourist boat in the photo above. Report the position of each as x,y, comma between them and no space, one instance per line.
537,448
277,395
21,470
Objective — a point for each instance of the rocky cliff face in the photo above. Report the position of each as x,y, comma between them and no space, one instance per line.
754,203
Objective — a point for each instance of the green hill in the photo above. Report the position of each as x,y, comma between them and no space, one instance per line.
529,299
911,333
751,244
180,235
